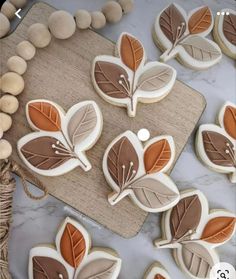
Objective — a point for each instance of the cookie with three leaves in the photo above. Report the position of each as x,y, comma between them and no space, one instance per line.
216,144
193,232
184,36
72,257
156,271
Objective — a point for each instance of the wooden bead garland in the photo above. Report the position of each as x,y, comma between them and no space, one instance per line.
5,149
26,50
39,35
98,20
112,11
17,64
126,5
5,121
4,25
18,3
83,19
1,132
9,104
12,83
8,10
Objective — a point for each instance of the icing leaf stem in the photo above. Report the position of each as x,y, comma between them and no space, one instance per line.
184,239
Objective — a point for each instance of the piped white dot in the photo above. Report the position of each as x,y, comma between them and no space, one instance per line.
218,13
227,13
143,134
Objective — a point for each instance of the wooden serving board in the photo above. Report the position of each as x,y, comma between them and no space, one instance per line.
61,73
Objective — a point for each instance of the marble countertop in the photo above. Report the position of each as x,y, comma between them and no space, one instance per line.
37,222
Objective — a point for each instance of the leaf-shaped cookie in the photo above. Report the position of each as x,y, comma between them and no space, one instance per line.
110,77
152,193
185,217
72,245
100,268
47,156
230,120
200,48
219,229
157,156
81,124
46,267
44,116
229,28
122,162
200,20
215,145
155,78
170,19
131,52
197,259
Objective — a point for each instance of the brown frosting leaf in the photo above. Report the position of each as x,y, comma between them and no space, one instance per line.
41,153
82,123
45,267
159,276
229,28
131,52
219,229
72,245
44,116
100,268
170,20
200,21
112,79
122,162
185,217
219,149
230,121
157,156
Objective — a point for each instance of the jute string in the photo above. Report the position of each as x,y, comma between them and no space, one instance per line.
7,187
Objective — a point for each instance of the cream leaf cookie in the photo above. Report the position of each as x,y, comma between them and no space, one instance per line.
126,80
156,271
139,172
183,36
60,139
194,232
73,257
216,145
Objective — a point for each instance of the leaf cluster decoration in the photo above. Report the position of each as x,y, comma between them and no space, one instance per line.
123,161
72,259
126,80
60,137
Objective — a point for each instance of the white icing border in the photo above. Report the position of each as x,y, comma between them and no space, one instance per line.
154,269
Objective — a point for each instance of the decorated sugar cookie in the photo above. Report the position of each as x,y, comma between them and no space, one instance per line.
72,257
156,271
139,172
60,139
216,145
225,31
184,36
194,233
126,80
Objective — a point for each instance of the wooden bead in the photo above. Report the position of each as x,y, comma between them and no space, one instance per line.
17,64
9,104
61,24
112,11
5,121
8,9
26,50
18,3
1,132
39,35
126,5
83,19
98,20
5,149
4,25
12,83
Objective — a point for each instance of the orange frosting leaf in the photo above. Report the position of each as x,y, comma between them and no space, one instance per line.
230,121
159,276
200,21
72,245
157,156
44,116
218,229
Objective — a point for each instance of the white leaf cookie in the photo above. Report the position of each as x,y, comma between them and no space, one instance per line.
126,80
139,172
60,139
73,257
216,145
156,271
183,36
194,232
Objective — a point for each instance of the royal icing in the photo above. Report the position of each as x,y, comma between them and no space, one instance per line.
183,36
126,80
216,145
194,233
156,271
60,139
137,171
73,258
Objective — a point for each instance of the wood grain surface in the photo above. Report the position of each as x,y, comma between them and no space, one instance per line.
61,73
